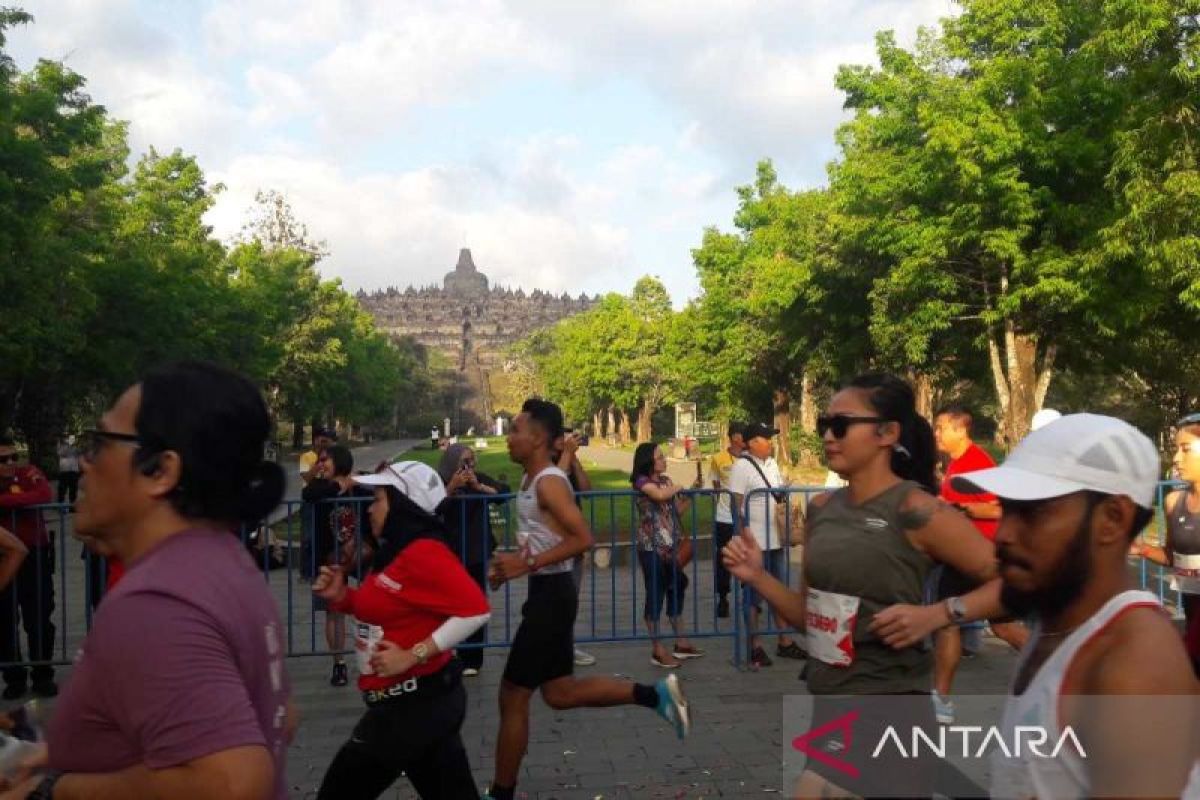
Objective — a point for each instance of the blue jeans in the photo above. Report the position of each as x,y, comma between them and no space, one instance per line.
665,580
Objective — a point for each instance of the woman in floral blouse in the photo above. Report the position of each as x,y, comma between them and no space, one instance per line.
663,551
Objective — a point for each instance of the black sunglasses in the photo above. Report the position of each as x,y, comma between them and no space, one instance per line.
10,458
840,423
1190,419
91,441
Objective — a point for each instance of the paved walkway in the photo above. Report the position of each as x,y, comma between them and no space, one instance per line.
735,749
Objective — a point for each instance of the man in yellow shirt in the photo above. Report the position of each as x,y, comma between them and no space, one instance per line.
719,468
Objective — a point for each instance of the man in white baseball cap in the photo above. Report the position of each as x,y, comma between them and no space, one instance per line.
1074,493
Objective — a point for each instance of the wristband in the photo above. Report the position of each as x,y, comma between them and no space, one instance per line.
45,787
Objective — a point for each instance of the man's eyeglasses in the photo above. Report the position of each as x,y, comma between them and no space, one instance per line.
92,441
9,458
840,423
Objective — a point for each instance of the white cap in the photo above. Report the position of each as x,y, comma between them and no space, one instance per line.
1075,453
1043,418
416,481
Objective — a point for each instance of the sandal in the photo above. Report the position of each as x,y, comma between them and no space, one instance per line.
687,652
664,664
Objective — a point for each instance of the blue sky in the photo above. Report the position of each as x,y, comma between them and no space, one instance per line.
571,146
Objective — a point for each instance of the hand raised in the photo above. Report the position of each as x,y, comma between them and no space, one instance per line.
743,557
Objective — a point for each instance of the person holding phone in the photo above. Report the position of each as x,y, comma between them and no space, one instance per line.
466,512
664,551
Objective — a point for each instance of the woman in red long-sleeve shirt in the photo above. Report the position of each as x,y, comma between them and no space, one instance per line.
415,605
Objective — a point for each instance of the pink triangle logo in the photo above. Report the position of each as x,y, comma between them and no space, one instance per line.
806,743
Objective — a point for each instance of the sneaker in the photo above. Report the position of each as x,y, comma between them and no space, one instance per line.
723,608
685,653
470,672
791,650
14,691
673,706
943,709
583,659
759,658
46,688
659,662
339,677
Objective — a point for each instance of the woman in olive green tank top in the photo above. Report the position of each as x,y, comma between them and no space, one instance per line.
868,551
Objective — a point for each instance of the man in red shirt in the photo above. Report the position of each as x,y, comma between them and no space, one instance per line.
23,486
952,432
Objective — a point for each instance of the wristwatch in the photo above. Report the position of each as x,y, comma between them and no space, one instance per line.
957,610
531,562
45,787
421,652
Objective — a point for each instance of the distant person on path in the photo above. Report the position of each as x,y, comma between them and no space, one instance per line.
414,606
469,529
757,469
566,457
29,600
339,510
68,470
869,549
664,552
180,690
952,433
308,465
720,471
1180,550
551,532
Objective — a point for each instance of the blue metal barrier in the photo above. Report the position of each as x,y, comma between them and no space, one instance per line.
52,600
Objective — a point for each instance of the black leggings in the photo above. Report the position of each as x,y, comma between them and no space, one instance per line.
418,737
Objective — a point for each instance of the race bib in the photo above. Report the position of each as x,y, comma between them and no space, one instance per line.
829,622
365,638
1187,573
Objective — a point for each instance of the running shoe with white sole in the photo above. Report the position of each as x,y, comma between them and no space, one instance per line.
943,709
583,659
673,706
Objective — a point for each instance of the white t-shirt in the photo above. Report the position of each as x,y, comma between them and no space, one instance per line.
760,515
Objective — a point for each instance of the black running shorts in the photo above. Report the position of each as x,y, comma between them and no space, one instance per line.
544,647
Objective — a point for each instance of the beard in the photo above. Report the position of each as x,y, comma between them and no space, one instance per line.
1071,576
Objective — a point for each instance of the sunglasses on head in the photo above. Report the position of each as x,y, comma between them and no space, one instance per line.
838,424
1190,419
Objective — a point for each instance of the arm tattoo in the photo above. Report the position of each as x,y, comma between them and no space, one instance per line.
912,519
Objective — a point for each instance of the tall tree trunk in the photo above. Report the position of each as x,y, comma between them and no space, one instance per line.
626,427
645,412
598,425
1021,377
923,391
808,403
781,403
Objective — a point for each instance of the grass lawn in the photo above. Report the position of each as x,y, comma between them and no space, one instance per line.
612,517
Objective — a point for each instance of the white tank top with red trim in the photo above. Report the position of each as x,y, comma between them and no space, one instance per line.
1065,775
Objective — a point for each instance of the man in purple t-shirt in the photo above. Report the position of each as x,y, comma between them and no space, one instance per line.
179,690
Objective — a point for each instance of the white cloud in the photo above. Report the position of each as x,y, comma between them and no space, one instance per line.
299,94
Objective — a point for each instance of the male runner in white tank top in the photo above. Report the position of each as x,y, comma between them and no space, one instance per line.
1074,494
552,531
